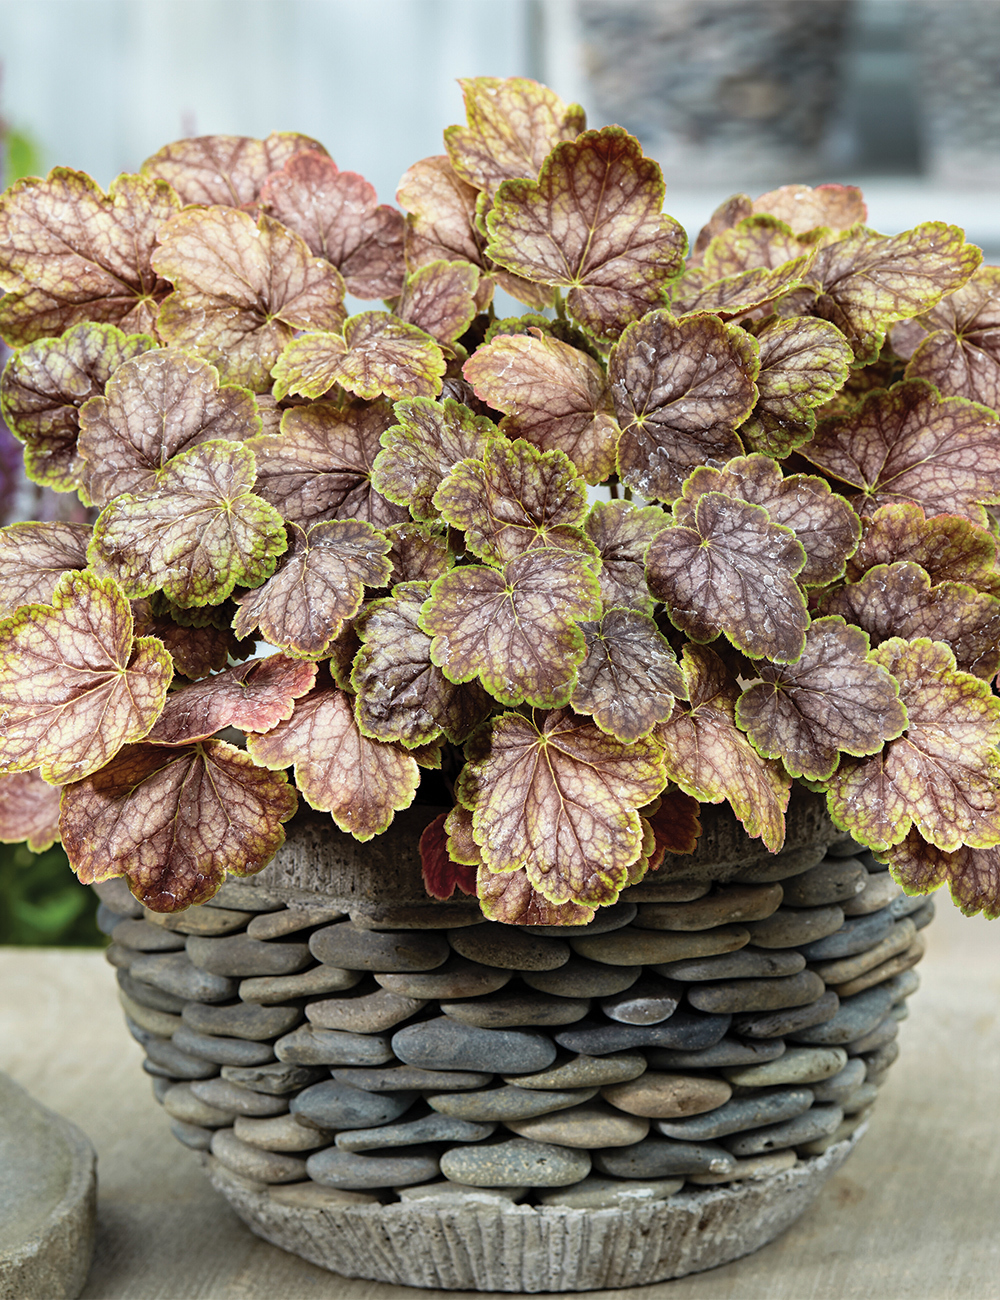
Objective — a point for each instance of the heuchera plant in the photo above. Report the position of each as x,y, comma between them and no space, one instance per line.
789,575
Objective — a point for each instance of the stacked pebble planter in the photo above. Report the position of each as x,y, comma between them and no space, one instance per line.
396,1089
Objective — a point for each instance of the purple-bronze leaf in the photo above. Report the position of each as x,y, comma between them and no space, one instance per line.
804,208
29,811
738,294
973,875
225,169
254,696
949,547
418,553
33,557
509,898
622,533
630,677
442,875
960,352
440,299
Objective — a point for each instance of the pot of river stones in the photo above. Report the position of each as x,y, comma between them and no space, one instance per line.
396,1089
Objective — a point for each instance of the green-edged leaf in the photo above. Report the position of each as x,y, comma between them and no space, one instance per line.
622,533
513,124
362,783
711,759
45,384
462,848
401,695
70,253
552,394
681,388
947,546
898,600
226,169
630,676
832,699
960,354
516,629
908,444
732,571
75,684
508,897
417,553
823,522
320,465
33,557
803,363
254,696
440,299
561,801
755,242
319,585
198,534
972,875
515,499
866,281
428,441
338,215
739,294
154,407
29,811
837,206
376,355
593,224
174,821
242,290
942,776
441,225
195,651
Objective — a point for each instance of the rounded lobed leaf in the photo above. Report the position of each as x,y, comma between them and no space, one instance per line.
225,169
630,676
973,875
561,802
441,225
440,299
804,208
755,242
680,388
34,556
833,699
622,533
675,824
29,811
960,354
738,294
75,684
509,897
199,534
174,821
417,553
947,546
442,875
732,571
516,629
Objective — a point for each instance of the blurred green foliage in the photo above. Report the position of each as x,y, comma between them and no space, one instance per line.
22,156
42,902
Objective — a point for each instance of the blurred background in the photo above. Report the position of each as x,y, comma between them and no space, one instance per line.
899,96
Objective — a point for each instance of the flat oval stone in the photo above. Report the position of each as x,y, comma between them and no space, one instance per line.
351,1170
797,1065
877,1063
580,978
753,1168
333,1105
456,978
275,925
776,1024
429,1128
245,897
879,892
444,1044
280,1133
767,1106
223,1051
161,1023
885,970
276,1079
505,1103
180,1103
907,904
664,1096
731,904
840,1087
687,1030
792,927
747,963
269,990
347,945
310,1046
394,1078
252,1162
859,1099
514,1163
758,995
817,1122
311,1196
161,1086
588,1126
650,1000
239,956
659,1157
118,955
654,890
178,1063
781,866
501,1010
509,948
240,1101
635,947
903,985
853,936
884,1032
923,915
835,880
116,895
106,919
366,1013
201,920
415,916
610,1193
241,1020
846,848
606,920
198,1139
174,972
146,995
143,937
855,1017
845,969
728,1051
584,1072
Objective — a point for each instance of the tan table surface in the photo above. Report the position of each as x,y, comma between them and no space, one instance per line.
914,1214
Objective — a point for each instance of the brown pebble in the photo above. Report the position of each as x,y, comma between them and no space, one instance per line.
844,969
758,995
580,978
210,921
457,978
635,947
667,1096
505,1010
280,1133
275,925
894,966
731,904
368,1013
510,949
253,1162
590,1126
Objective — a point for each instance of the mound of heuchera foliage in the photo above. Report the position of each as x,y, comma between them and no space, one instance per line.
791,574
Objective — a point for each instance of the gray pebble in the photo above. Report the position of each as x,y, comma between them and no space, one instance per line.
201,920
635,947
606,920
143,937
584,1072
146,995
780,866
116,895
252,1162
310,1046
270,990
748,963
514,1163
430,1128
415,916
275,925
198,1139
687,1030
797,1065
118,955
758,995
246,897
181,1103
817,1122
456,978
452,1193
364,1013
161,1086
845,969
792,927
311,1196
650,1000
106,919
241,1020
174,972
161,1023
611,1193
158,1072
775,1024
728,1051
334,1105
839,1087
356,1172
884,1032
853,936
855,1017
509,948
280,1133
845,848
180,1064
763,1106
733,904
876,1063
346,945
580,978
240,956
753,1168
900,1011
223,1051
660,1157
445,1044
143,1035
653,889
526,1007
907,904
903,985
862,1097
589,1126
396,1078
880,891
835,880
241,1101
276,1079
923,915
505,1103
